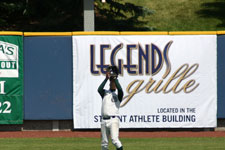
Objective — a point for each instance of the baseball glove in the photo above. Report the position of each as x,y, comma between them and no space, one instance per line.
113,71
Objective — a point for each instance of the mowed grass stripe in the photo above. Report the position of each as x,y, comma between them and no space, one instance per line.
183,15
208,143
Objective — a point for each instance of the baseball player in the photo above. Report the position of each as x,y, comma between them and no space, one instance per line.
110,109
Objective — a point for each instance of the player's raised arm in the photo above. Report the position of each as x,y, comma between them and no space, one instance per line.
120,90
101,90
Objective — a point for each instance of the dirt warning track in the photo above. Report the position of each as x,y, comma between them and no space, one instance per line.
123,134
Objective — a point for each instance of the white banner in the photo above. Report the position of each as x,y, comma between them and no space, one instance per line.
168,81
9,62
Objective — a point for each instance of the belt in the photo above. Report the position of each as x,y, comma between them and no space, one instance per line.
108,117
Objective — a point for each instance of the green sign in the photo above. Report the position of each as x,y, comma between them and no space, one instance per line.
11,79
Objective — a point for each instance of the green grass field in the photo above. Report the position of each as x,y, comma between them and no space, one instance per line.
129,144
184,15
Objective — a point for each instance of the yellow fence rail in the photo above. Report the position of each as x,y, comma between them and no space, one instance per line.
112,33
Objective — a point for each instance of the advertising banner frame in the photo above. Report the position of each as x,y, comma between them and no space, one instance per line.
199,47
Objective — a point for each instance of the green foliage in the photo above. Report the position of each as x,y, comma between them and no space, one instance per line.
120,16
67,15
114,15
11,12
39,15
213,10
55,15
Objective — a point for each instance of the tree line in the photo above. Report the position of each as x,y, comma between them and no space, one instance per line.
67,15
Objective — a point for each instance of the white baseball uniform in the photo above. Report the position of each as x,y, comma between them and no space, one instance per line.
110,113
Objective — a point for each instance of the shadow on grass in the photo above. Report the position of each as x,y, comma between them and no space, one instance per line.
213,10
121,16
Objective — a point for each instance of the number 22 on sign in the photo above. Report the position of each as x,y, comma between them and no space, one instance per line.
7,103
